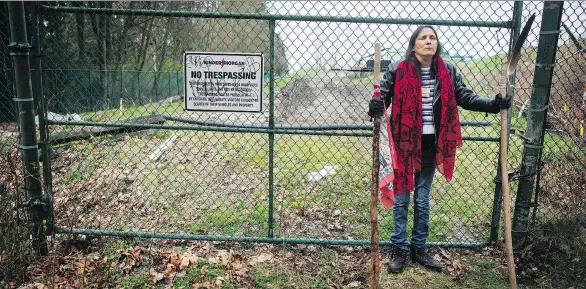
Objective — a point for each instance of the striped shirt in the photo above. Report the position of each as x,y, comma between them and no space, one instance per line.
427,84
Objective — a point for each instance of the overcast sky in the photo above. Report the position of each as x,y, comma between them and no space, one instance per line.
342,44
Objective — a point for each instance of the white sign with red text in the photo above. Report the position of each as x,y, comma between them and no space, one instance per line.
223,81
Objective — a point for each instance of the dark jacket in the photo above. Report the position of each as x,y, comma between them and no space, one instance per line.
465,97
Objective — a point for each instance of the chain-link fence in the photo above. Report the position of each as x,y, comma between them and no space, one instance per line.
128,159
310,183
8,111
561,186
15,251
14,220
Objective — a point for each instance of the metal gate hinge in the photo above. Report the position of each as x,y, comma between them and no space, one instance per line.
521,135
34,202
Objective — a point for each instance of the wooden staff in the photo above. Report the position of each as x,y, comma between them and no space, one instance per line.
375,250
511,68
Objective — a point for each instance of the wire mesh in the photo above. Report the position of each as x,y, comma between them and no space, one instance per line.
562,183
8,113
204,179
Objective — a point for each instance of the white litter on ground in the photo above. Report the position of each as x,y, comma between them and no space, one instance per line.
325,171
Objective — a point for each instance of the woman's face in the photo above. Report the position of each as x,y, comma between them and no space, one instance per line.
426,43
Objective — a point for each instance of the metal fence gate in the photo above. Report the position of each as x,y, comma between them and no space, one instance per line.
127,160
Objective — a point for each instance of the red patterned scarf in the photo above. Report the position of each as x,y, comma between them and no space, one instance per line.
407,125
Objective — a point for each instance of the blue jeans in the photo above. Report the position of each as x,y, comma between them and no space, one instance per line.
420,229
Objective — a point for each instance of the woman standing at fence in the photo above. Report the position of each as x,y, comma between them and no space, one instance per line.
423,93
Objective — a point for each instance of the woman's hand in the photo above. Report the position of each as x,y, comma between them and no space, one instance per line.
502,102
376,107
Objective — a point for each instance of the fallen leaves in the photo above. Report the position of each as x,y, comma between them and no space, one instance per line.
239,269
188,259
335,226
225,256
261,258
156,276
203,265
175,265
218,282
35,285
79,267
130,258
75,269
175,259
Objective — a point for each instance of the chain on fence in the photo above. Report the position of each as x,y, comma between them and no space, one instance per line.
222,174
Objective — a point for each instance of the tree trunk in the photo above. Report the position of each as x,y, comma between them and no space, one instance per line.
108,30
139,48
99,27
80,21
146,44
122,41
164,45
104,56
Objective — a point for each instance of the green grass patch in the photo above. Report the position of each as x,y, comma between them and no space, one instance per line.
484,273
127,112
121,113
217,184
483,65
139,279
193,275
231,219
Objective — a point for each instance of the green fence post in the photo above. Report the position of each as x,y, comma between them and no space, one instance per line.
91,102
271,122
542,80
29,147
41,102
106,89
498,197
